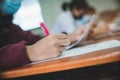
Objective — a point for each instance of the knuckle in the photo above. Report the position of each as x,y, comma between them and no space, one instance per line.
63,48
68,42
54,43
52,36
62,35
56,50
65,36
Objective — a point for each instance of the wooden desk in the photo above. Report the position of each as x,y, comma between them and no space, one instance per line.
90,59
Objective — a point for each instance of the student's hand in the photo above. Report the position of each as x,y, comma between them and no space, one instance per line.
49,47
76,35
92,32
100,30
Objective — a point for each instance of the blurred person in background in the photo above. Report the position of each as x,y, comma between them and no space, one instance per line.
76,14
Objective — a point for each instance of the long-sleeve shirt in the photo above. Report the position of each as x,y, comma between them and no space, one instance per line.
13,54
66,23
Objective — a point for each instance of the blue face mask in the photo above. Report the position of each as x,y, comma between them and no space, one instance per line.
9,7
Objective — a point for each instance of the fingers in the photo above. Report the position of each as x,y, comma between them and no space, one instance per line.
80,31
64,42
83,30
61,49
61,36
58,50
94,24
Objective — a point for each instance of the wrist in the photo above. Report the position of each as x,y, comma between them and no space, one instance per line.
30,52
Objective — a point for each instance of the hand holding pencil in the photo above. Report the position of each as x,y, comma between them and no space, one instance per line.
49,47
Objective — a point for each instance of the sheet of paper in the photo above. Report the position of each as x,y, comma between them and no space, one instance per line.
84,35
87,49
91,48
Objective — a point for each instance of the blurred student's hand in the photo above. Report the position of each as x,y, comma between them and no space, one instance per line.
49,47
91,33
76,35
101,30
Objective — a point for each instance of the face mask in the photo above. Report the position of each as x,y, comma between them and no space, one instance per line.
10,6
86,18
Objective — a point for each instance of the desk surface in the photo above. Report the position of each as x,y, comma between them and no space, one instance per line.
85,60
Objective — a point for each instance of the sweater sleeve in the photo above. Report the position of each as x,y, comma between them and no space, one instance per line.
13,55
25,35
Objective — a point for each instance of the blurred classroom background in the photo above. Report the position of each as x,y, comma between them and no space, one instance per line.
34,11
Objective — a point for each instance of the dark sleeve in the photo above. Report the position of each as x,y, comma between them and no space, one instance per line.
26,35
13,55
30,38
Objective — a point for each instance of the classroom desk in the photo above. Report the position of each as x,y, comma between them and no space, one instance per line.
81,61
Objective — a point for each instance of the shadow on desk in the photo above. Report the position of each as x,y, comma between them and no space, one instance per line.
109,71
